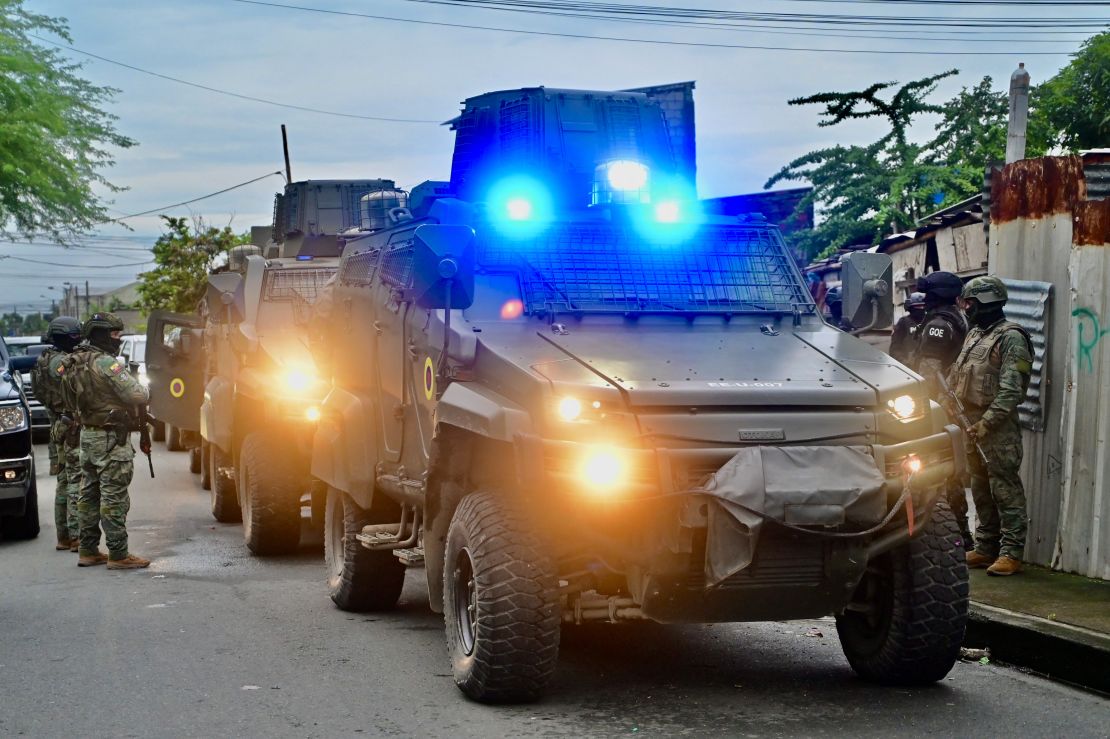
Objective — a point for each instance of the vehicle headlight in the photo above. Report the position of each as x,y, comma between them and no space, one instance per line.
312,413
904,408
12,418
298,381
570,408
604,468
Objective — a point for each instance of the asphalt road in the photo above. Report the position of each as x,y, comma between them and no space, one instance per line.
212,642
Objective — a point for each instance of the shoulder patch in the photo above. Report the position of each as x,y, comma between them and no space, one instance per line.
61,369
116,368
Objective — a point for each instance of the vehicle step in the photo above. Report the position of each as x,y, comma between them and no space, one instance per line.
410,557
380,537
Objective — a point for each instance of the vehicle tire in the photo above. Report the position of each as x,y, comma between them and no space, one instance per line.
918,595
270,488
205,467
27,525
173,439
500,602
194,460
225,506
157,431
359,579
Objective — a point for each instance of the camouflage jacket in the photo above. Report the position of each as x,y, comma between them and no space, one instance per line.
98,383
46,382
992,372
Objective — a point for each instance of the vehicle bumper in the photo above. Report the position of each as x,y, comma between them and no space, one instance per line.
15,482
789,572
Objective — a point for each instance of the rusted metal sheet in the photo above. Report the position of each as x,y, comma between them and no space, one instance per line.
1092,223
1028,306
1034,188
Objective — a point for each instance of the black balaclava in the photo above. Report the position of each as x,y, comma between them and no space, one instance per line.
983,316
102,339
66,342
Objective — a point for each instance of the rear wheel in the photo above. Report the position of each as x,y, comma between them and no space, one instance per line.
27,525
205,468
270,485
194,460
500,602
908,616
158,431
225,506
359,579
173,439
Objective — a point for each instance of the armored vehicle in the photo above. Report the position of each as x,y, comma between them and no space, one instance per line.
574,398
240,375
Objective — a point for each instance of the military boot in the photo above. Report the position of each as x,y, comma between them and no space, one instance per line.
1004,566
55,468
977,561
64,545
92,560
130,562
74,545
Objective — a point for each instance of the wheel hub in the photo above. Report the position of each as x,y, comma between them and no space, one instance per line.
466,601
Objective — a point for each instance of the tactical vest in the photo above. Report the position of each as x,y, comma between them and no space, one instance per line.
93,394
46,386
979,366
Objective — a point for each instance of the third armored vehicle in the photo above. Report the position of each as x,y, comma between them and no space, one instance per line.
574,398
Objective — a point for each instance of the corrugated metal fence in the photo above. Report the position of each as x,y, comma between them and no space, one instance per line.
1050,239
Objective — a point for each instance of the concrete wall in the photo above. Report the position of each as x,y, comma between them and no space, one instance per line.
1044,227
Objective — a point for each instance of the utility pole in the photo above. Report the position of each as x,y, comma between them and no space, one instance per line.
1019,114
88,305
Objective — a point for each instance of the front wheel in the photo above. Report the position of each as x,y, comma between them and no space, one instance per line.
205,467
225,505
270,485
500,602
907,619
359,579
194,460
173,439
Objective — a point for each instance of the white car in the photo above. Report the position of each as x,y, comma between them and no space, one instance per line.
133,352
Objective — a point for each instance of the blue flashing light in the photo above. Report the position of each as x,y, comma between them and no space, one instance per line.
304,257
518,209
519,206
626,176
668,211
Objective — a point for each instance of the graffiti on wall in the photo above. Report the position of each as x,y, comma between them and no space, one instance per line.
1089,333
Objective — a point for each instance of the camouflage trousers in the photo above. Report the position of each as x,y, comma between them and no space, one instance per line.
52,446
72,455
107,465
998,493
61,485
956,496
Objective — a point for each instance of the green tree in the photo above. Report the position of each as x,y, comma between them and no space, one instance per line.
55,138
1074,105
184,255
862,192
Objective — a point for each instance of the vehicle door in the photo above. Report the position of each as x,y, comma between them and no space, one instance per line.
393,310
175,363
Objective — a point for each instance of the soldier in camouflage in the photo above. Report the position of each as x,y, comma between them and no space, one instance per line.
64,333
990,377
937,343
107,403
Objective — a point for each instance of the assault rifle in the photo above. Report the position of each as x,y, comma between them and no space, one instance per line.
961,415
145,419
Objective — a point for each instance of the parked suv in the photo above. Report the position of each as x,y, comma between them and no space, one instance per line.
31,346
19,509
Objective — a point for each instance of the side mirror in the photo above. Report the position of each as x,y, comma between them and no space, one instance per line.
443,256
23,363
866,280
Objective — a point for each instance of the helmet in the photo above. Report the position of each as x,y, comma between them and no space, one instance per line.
63,326
107,321
987,290
942,285
916,300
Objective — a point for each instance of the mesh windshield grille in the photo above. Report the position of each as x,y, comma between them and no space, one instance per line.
359,269
601,268
397,265
296,284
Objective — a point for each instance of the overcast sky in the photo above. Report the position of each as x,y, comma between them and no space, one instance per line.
192,142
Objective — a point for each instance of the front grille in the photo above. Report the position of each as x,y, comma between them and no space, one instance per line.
296,284
781,559
15,444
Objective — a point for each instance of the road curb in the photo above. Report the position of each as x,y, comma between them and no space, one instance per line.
1061,651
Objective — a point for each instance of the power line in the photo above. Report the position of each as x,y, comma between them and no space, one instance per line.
192,200
228,92
658,42
82,266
